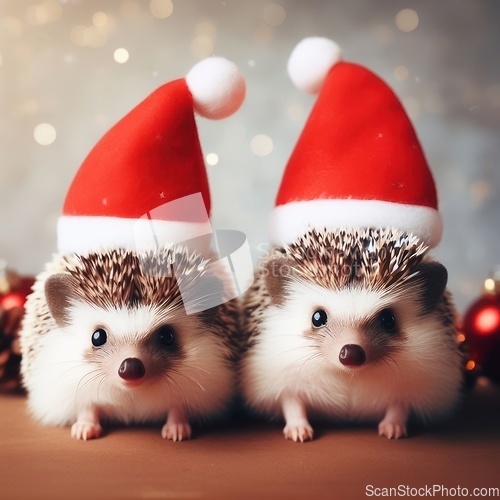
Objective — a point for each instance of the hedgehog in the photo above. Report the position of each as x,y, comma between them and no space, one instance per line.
107,337
351,325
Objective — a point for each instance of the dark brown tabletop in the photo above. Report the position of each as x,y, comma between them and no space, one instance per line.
247,459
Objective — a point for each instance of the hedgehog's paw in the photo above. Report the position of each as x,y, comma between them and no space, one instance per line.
298,431
86,430
176,431
392,429
177,427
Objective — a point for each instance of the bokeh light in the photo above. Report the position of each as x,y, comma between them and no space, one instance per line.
261,145
407,20
30,106
44,134
489,285
99,19
471,364
69,58
95,35
274,14
481,191
48,11
401,73
202,46
206,28
487,321
161,9
212,159
121,55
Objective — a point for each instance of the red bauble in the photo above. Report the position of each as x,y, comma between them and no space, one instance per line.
12,299
16,296
481,327
14,291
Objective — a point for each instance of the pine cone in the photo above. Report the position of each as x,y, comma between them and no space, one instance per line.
10,352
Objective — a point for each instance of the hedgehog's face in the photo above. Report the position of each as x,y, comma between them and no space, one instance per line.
354,327
134,346
137,346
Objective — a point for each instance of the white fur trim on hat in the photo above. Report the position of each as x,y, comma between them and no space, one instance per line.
290,221
82,234
217,86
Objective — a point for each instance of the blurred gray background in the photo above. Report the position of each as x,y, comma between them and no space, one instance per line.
70,69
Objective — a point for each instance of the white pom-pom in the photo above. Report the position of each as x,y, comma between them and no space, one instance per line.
217,86
310,62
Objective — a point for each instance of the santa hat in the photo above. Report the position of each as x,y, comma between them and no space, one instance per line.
144,183
358,162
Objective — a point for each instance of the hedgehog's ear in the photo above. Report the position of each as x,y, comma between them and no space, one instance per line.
277,273
433,277
59,290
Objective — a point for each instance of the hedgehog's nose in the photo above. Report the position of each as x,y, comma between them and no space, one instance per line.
131,369
352,355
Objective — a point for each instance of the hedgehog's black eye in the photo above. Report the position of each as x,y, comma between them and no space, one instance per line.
99,337
387,320
166,335
319,318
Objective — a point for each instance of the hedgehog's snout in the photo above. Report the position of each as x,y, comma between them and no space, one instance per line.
131,369
352,355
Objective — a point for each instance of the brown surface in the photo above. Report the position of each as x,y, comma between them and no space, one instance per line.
249,460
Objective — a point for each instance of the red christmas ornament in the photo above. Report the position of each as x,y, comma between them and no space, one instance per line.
12,299
481,327
14,290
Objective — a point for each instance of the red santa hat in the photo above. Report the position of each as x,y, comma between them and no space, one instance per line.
358,162
144,183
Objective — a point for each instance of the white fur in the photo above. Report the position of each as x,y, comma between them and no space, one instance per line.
217,87
290,221
84,234
310,62
424,375
62,382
